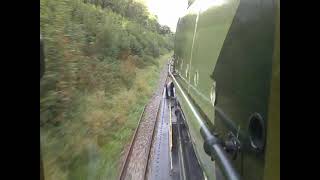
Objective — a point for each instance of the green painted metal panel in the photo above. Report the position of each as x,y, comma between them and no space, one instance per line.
194,126
243,75
225,48
199,66
183,49
214,21
184,39
272,165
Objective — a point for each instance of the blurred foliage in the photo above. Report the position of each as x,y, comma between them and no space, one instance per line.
87,42
102,60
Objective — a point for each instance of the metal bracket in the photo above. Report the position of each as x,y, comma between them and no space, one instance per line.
232,145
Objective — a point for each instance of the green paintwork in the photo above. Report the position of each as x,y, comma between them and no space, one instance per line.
187,36
272,165
227,46
210,35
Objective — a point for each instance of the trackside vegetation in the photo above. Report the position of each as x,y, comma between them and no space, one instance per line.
102,64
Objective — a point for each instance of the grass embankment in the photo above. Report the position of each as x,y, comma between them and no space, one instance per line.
102,63
89,144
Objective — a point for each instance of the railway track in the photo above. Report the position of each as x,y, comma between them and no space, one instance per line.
150,154
137,157
126,161
125,172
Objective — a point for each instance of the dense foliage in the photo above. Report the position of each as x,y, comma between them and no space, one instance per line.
86,44
102,59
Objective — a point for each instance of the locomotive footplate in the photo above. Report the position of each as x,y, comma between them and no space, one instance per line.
173,157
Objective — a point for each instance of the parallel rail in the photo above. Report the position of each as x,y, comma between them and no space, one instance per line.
133,140
150,145
126,161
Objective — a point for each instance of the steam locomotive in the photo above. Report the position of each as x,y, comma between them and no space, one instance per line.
226,76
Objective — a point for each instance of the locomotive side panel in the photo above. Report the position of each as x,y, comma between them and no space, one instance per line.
183,52
243,75
227,58
213,24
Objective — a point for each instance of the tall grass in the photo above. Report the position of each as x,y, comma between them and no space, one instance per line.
89,144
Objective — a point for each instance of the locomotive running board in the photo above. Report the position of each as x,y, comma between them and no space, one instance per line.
173,156
183,148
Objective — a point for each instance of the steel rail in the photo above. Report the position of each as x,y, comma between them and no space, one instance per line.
153,132
133,140
125,164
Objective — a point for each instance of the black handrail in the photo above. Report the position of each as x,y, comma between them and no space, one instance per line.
213,147
212,144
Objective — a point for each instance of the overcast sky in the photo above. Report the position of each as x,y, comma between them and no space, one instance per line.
168,11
